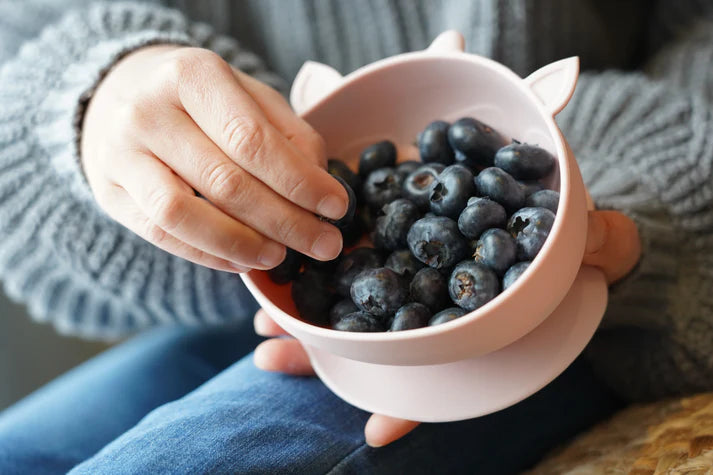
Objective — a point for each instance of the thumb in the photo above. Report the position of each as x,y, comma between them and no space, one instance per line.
613,244
382,430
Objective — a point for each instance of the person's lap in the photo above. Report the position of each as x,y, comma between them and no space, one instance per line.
72,417
248,421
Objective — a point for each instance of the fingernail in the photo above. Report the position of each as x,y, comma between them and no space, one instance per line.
271,254
328,245
370,429
596,233
239,268
332,207
259,357
261,326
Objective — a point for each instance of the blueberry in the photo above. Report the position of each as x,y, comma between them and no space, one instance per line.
430,288
529,187
313,296
433,143
366,216
351,264
514,273
403,263
407,167
382,186
525,161
451,190
436,241
345,220
379,291
378,155
543,199
479,215
391,228
530,228
314,265
338,168
417,185
446,315
472,285
288,269
340,309
352,232
474,142
499,186
359,322
411,315
495,249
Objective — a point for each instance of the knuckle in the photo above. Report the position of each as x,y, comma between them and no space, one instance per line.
294,189
286,229
206,57
226,182
154,234
316,144
244,138
237,247
186,64
167,209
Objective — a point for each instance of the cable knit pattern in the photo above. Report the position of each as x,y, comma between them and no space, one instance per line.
644,143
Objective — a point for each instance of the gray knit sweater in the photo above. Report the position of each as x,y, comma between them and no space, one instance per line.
644,141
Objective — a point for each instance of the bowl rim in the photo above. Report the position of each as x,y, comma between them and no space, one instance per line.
565,189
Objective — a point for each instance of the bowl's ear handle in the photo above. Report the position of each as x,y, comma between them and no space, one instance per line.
448,42
554,84
313,82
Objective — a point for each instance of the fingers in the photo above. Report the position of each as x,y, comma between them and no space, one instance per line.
382,430
163,198
124,210
266,326
281,115
287,355
613,244
193,156
209,92
284,355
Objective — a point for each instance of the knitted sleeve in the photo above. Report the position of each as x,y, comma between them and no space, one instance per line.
688,62
645,147
59,253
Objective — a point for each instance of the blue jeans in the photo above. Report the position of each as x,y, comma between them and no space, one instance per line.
172,401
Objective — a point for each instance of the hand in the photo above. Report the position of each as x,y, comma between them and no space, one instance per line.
612,245
168,120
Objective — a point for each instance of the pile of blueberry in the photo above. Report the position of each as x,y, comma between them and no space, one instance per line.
449,232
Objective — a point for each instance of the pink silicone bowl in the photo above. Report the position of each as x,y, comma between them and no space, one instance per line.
396,98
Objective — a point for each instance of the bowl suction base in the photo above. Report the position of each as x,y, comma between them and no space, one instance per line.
477,386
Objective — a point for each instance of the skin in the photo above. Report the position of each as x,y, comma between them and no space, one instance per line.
613,245
168,120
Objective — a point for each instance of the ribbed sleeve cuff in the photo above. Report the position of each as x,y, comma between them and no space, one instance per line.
62,109
74,266
61,68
